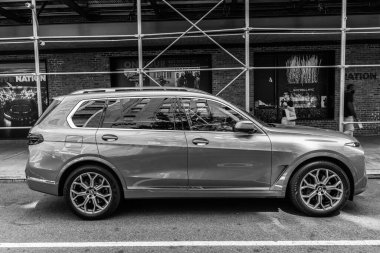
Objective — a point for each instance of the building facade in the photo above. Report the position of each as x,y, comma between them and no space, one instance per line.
315,91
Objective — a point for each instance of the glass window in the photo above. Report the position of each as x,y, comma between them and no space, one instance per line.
89,114
208,115
46,113
142,113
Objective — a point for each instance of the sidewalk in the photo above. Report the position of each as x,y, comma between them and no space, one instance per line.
14,154
13,157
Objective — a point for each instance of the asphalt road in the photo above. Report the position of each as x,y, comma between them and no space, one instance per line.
27,216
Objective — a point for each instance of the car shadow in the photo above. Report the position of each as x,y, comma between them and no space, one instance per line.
204,206
56,207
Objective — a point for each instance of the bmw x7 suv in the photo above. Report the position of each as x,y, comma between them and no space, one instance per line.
98,147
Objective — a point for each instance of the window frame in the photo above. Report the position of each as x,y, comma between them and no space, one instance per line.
178,100
69,118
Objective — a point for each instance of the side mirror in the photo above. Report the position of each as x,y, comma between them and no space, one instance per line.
245,126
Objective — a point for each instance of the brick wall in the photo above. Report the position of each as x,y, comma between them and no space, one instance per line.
367,97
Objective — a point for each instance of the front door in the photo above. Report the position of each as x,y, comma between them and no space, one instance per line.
142,138
218,156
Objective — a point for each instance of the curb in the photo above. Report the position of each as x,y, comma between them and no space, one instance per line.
12,180
373,176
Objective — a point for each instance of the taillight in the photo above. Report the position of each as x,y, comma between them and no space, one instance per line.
34,139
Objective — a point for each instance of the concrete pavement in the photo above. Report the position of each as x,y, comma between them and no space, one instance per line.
13,157
14,154
31,217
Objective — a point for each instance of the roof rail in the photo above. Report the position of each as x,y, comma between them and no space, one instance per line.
124,89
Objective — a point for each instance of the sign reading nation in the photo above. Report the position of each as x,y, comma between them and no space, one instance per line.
361,76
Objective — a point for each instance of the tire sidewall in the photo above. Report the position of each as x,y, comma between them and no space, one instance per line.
300,174
115,189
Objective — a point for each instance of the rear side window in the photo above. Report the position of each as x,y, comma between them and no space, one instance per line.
142,113
51,108
89,114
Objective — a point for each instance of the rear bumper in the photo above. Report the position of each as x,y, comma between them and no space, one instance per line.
42,185
36,182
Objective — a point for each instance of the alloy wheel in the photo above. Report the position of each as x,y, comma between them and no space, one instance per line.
90,193
321,189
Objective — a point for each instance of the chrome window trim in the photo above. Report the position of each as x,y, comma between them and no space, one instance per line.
159,130
73,111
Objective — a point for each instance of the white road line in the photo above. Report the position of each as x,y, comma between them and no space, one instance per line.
189,244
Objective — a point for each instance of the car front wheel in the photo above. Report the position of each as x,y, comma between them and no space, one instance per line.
92,192
319,188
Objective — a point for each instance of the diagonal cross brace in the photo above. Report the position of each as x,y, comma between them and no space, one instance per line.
151,78
184,33
195,25
231,82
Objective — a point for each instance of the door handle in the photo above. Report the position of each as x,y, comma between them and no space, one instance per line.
109,137
200,142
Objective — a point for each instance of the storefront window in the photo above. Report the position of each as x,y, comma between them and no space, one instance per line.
310,89
18,98
185,72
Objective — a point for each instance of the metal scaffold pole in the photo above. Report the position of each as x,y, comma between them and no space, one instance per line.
139,37
247,72
36,56
342,63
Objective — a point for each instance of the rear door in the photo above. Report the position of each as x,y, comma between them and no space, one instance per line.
218,156
142,137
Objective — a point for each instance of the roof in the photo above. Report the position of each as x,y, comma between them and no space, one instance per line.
131,91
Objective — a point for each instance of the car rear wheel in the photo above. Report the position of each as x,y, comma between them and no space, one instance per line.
319,188
92,192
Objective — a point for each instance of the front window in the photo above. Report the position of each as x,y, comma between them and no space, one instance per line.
208,115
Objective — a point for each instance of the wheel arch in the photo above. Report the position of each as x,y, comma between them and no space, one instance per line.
73,165
333,160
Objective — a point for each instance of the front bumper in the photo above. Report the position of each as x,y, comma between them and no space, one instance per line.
361,185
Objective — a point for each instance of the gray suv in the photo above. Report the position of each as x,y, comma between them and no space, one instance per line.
97,147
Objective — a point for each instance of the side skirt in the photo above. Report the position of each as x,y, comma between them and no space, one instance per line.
203,193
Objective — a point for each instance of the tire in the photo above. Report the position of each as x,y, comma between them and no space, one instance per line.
319,198
95,201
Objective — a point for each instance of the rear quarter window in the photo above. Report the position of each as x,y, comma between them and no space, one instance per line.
88,114
46,113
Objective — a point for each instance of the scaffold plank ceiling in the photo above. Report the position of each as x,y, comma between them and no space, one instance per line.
79,11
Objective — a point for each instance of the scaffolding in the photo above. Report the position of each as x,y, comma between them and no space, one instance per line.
244,65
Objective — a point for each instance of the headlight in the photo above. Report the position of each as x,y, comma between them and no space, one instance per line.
354,144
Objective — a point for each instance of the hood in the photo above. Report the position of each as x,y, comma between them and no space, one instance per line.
305,130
